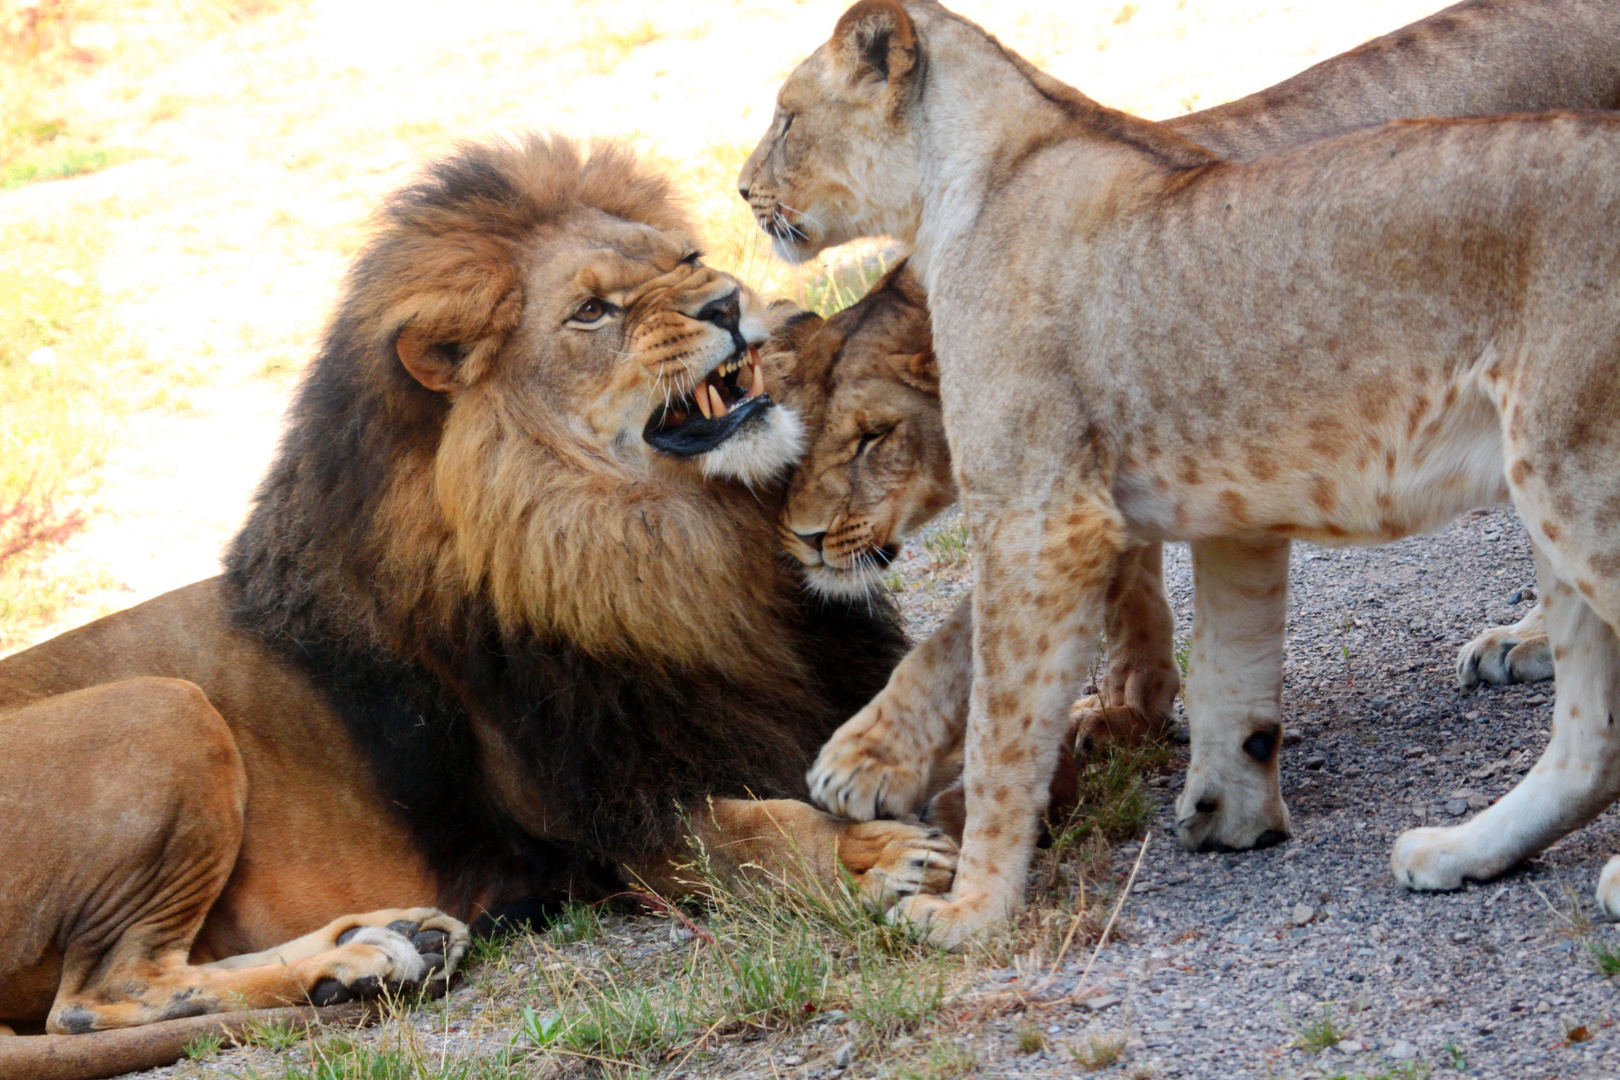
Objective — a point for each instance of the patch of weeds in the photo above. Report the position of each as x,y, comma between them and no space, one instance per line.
949,545
340,1058
1604,957
272,1034
1455,1058
1408,1070
1319,1032
890,998
948,1061
205,1045
893,582
58,160
783,984
30,524
1183,654
1031,1040
1100,1052
1112,802
623,1019
576,922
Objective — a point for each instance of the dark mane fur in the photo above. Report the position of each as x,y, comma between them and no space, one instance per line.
613,750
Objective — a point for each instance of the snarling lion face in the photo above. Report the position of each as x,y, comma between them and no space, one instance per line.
879,467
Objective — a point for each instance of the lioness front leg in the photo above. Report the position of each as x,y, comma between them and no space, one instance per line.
883,761
1232,799
1508,654
1140,679
1043,575
1577,777
792,842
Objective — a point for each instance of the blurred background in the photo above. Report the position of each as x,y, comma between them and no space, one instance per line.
183,181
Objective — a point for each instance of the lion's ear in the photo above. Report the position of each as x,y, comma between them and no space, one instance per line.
877,40
917,370
431,363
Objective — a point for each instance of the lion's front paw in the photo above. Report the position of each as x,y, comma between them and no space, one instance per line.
1430,860
946,923
858,776
1502,655
892,860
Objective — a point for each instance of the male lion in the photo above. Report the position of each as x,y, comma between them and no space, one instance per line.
507,621
1348,341
877,466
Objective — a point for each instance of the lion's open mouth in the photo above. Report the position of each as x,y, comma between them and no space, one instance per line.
726,401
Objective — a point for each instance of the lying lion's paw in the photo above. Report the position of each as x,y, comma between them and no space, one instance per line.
367,961
440,940
1500,655
857,776
1608,890
892,860
1430,860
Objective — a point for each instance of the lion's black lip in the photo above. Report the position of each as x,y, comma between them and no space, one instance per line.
700,434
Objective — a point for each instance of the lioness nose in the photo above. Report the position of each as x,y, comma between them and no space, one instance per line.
723,312
813,539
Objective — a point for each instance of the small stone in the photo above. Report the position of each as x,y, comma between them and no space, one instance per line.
845,1054
1472,714
1414,751
1352,1046
1162,1025
1456,807
1098,1004
1293,738
793,1059
1303,914
1315,761
1478,802
1536,699
1223,917
42,357
1402,1050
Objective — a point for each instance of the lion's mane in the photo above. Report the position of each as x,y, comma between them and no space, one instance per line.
634,644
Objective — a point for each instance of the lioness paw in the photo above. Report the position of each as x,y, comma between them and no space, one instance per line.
1505,654
370,959
1094,725
892,860
857,776
948,924
1430,860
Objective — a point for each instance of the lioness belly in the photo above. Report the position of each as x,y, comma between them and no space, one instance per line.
1344,482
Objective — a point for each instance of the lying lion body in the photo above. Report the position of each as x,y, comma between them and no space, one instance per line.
1345,342
479,642
877,467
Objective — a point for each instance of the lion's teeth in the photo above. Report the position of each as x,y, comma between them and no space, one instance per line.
702,396
757,387
719,404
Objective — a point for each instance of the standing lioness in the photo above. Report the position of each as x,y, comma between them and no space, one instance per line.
1346,342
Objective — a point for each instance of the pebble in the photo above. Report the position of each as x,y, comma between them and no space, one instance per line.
1303,914
1456,807
1315,761
1098,1004
842,1056
1402,1050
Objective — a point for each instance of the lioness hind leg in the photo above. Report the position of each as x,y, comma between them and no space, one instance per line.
1578,774
1141,679
1508,654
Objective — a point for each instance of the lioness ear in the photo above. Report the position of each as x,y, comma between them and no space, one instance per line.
431,363
918,371
877,39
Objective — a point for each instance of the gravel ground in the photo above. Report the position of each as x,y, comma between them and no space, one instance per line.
1230,954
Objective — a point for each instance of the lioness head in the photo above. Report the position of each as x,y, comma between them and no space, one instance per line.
832,167
879,467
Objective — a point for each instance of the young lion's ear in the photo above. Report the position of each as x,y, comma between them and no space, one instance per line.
877,40
431,363
917,370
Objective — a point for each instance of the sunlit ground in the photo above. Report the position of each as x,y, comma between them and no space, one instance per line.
254,147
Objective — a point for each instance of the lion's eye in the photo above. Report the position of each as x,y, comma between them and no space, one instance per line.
592,311
691,258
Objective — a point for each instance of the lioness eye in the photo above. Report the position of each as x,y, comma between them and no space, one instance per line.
870,437
691,258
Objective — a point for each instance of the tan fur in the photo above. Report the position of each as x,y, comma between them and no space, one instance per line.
177,790
878,467
1347,342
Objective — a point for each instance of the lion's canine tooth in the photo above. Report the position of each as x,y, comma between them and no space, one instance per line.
719,403
702,395
757,386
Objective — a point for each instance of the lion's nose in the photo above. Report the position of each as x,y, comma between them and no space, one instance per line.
724,312
743,191
813,539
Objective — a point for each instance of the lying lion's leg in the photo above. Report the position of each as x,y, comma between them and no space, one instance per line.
785,840
1577,777
1140,681
441,940
883,761
1233,794
1038,609
1508,654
